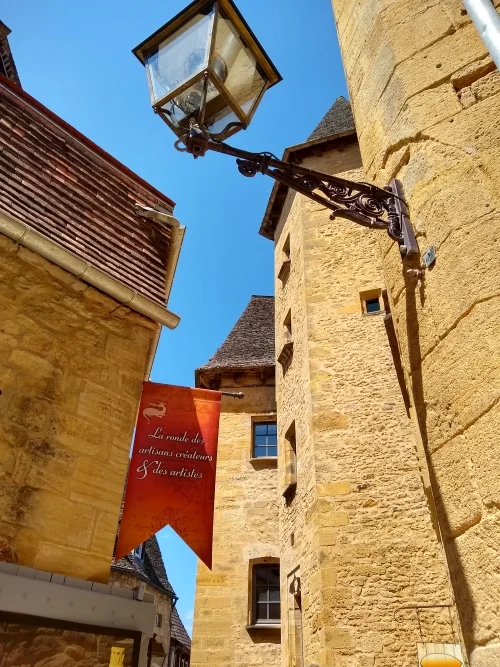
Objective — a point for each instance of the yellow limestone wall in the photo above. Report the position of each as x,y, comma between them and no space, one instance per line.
71,365
426,99
245,528
359,530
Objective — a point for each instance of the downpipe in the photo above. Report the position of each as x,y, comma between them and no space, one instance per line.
487,21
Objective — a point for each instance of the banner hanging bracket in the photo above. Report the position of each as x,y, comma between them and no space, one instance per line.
237,394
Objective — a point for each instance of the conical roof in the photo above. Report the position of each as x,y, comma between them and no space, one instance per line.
250,345
337,120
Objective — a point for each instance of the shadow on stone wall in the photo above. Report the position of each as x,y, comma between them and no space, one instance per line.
465,606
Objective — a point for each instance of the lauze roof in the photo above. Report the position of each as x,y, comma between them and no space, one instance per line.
250,345
56,181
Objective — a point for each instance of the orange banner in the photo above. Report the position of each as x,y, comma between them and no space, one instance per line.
171,478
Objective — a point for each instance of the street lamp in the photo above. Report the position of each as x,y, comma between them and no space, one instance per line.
207,74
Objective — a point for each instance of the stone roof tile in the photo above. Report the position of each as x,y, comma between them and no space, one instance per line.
337,120
151,569
178,630
250,345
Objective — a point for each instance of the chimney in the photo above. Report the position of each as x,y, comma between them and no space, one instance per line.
7,64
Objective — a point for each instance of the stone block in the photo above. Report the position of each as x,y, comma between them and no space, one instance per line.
457,500
485,656
463,372
81,435
472,250
73,562
98,486
330,421
474,565
105,532
28,412
99,404
61,520
333,489
338,638
482,445
126,353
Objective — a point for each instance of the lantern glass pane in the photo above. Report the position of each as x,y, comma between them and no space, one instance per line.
181,56
236,67
186,106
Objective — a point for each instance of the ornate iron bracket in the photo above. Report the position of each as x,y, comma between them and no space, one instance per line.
362,203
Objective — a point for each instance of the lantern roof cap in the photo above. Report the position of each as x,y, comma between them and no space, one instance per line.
233,13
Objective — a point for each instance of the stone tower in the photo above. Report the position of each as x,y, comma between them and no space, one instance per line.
236,620
364,579
426,99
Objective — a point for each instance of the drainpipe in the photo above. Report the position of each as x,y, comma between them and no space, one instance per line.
176,238
487,21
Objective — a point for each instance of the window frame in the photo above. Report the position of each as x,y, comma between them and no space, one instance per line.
256,622
138,552
371,295
260,420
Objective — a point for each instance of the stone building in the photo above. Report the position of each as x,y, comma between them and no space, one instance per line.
180,642
388,381
236,617
426,100
88,252
170,644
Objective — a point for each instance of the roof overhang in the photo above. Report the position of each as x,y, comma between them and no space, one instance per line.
297,154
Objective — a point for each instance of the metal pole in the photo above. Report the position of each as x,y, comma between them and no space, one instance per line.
237,394
487,21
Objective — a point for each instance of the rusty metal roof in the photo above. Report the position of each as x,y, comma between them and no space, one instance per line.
59,183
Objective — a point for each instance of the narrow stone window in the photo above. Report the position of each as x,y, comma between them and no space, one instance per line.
371,302
265,439
290,463
159,620
286,262
266,594
287,327
286,355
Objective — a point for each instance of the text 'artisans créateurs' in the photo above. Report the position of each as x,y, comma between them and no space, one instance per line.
146,465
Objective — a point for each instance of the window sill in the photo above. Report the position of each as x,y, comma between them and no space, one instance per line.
377,312
265,626
264,461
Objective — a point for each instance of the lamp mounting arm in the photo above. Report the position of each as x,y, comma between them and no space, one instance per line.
363,203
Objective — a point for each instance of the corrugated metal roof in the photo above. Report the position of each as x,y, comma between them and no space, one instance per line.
59,183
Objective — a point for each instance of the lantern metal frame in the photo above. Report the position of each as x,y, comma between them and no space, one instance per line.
363,203
226,9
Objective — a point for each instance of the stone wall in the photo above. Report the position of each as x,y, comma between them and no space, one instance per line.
24,645
71,365
426,99
163,603
358,531
245,528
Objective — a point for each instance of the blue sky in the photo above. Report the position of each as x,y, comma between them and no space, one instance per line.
75,58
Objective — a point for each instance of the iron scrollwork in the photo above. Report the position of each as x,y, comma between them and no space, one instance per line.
363,203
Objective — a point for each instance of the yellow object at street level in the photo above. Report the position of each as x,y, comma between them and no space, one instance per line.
117,658
440,660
